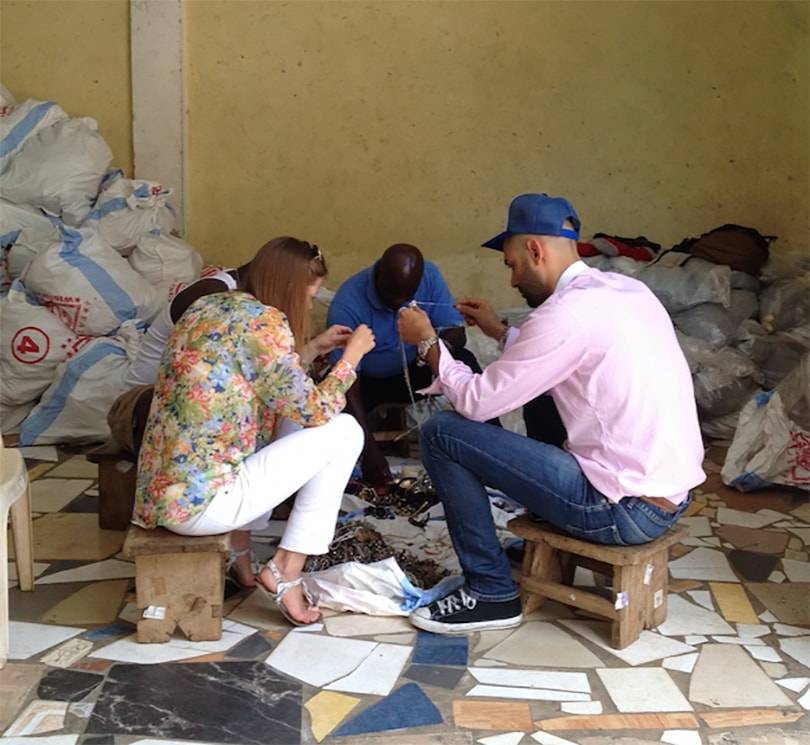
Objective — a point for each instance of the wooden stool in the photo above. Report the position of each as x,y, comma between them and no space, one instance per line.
117,471
180,582
640,576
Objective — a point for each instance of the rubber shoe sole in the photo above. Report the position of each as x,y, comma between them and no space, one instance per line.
437,627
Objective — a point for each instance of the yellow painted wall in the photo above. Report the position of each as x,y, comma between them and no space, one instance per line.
74,52
361,124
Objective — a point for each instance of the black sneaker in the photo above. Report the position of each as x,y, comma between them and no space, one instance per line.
460,613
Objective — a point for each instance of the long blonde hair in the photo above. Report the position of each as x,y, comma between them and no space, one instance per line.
279,276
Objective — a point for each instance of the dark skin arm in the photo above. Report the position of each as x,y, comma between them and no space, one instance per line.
455,336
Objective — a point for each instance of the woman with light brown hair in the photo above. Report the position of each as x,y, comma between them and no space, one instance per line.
233,374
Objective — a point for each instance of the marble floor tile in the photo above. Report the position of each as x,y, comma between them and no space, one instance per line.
642,689
764,654
774,669
96,603
767,617
753,630
108,569
39,568
703,563
803,532
507,738
804,701
68,653
440,677
488,639
318,660
527,694
802,513
796,571
412,738
698,526
250,648
113,631
621,721
751,566
52,495
47,740
16,682
648,647
726,677
55,537
436,649
546,738
797,685
67,685
408,706
77,467
542,644
784,629
358,624
684,663
684,618
728,516
492,715
29,639
787,602
377,674
200,702
255,610
733,602
695,639
738,640
396,638
327,710
681,737
581,707
532,679
38,717
128,649
798,647
702,598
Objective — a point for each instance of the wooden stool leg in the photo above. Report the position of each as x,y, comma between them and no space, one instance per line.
629,598
539,562
656,579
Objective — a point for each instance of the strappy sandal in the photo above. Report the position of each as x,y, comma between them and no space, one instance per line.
282,586
230,573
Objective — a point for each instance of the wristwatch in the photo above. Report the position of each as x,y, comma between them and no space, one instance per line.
423,348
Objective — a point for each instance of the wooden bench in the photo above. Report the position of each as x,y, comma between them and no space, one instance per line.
639,576
179,582
117,471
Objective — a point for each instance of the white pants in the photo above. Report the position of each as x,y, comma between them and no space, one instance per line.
315,461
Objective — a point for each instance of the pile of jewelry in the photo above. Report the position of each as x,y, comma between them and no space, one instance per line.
356,541
406,497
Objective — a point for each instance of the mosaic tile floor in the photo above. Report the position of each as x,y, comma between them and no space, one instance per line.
730,665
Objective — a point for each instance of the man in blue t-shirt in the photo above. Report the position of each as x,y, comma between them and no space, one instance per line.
374,296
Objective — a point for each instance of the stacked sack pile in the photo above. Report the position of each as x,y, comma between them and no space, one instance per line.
746,337
87,260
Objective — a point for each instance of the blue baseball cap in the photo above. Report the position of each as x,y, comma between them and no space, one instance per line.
537,214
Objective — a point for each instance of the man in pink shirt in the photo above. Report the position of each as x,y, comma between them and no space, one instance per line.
604,348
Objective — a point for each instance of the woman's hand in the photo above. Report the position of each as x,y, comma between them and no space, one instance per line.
335,337
360,343
414,325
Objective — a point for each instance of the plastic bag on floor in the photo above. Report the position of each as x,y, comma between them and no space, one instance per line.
378,589
59,169
725,382
772,441
21,122
33,342
777,354
74,408
721,428
682,287
89,286
785,304
715,324
159,258
126,210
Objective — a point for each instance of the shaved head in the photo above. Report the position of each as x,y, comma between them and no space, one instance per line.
398,273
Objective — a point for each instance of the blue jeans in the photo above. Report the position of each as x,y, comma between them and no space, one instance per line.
462,456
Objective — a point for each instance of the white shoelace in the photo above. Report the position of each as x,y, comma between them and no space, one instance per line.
452,603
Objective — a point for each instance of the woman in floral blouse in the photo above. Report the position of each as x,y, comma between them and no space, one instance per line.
237,425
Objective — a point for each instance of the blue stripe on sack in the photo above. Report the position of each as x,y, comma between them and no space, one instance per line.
47,412
119,302
141,191
8,238
118,203
23,128
109,177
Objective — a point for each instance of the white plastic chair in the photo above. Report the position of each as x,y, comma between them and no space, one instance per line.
15,496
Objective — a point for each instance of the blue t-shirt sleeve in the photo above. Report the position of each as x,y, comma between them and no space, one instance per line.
444,314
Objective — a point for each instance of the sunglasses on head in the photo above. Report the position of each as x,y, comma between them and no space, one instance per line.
316,251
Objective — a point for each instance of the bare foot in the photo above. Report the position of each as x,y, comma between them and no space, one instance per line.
294,600
242,572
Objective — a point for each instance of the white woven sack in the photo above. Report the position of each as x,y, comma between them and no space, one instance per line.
19,123
164,257
59,169
75,406
33,341
126,210
88,285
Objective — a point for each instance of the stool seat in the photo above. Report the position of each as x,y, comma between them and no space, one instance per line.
179,583
639,574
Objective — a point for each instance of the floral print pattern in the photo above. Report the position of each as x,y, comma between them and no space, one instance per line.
228,373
